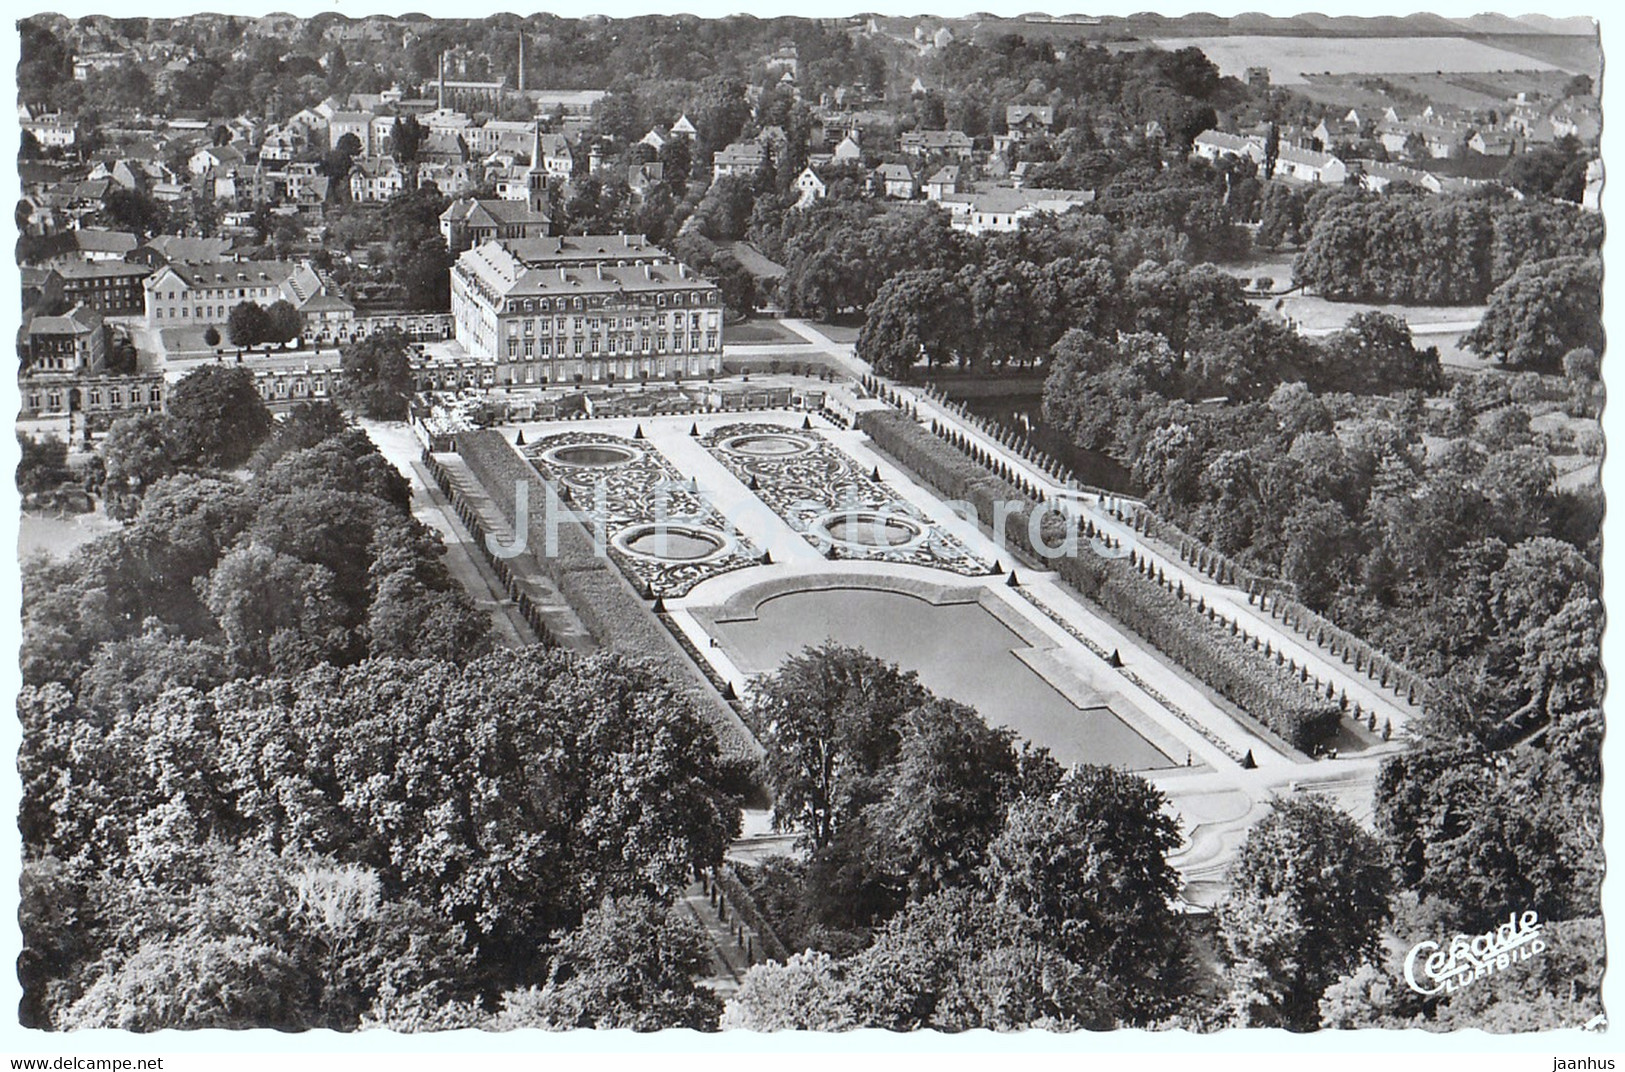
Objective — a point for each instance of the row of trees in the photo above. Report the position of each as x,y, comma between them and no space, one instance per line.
1431,250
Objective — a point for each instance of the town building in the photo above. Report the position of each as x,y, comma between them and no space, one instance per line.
812,187
1212,144
52,131
74,342
1307,165
847,150
742,158
176,249
97,244
375,179
1441,140
1023,122
1004,209
205,292
111,288
897,181
468,222
589,308
954,144
1492,143
943,181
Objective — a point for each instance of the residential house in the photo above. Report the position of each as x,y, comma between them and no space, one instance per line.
52,131
745,158
1440,139
1334,134
1212,144
1004,209
943,181
642,178
1307,165
357,123
557,160
812,187
954,144
1023,122
848,151
1379,177
1486,142
97,244
375,178
897,181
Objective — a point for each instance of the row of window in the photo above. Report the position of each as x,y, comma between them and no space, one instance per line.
594,371
199,312
614,345
613,323
543,305
51,401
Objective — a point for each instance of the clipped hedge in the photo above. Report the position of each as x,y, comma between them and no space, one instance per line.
1230,666
1280,599
500,470
1286,706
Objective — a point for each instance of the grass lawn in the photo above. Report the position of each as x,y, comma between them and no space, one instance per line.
843,329
760,332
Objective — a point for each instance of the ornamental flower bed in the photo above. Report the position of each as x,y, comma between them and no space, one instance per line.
834,504
642,494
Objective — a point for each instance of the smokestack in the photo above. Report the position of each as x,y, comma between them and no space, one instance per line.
521,61
442,98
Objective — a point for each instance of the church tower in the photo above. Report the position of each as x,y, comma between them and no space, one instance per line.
536,178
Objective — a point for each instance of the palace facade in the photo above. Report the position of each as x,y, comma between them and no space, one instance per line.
584,309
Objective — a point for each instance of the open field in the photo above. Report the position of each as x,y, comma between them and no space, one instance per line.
1291,59
1412,91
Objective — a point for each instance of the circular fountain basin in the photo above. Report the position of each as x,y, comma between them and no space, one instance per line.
768,445
861,528
673,543
591,455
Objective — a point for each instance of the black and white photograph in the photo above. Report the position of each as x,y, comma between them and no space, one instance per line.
807,520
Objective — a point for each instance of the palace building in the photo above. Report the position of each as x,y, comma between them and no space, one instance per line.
589,308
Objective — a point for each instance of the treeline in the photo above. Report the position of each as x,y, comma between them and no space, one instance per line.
1433,250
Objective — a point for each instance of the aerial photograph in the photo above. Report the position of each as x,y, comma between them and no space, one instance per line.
809,523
